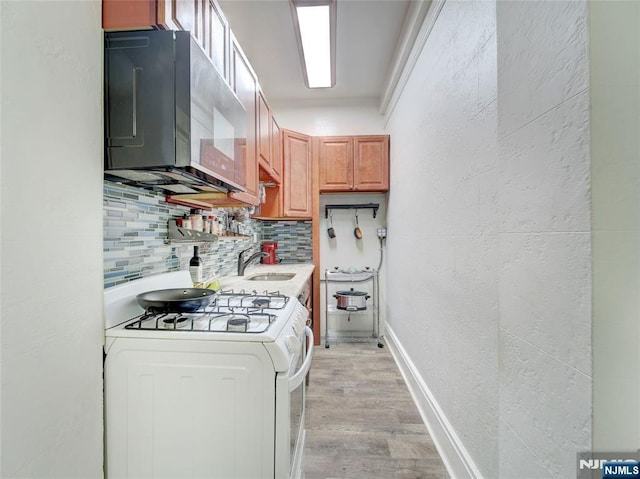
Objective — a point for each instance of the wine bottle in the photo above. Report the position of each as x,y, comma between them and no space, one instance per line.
195,267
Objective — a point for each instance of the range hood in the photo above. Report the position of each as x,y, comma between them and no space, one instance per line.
172,123
169,181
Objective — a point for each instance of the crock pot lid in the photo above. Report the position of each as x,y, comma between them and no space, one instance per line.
351,292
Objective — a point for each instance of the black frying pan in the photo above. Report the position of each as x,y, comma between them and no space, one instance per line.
179,300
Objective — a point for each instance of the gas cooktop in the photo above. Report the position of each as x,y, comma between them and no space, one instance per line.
236,312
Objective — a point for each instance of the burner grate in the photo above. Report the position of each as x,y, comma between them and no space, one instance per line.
232,311
252,301
245,319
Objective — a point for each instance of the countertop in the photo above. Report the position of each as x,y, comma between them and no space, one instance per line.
290,287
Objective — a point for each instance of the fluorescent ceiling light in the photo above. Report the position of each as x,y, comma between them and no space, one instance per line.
315,37
315,29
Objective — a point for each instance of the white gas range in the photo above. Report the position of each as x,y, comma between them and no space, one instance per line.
216,393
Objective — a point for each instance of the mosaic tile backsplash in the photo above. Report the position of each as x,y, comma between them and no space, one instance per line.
136,238
293,238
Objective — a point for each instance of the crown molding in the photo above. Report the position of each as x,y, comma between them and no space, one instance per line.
417,26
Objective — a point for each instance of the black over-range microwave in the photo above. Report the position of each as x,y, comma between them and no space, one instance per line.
172,123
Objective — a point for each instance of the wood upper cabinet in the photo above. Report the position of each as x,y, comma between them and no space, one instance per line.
264,132
292,197
276,151
371,163
144,14
297,175
183,14
354,163
215,37
269,148
119,15
245,86
203,18
336,163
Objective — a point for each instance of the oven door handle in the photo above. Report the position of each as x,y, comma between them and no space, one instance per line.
299,376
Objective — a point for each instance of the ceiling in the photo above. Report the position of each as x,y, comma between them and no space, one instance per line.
366,38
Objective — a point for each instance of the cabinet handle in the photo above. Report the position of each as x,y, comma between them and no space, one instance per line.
134,98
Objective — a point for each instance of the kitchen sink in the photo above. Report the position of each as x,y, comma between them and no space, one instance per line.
271,277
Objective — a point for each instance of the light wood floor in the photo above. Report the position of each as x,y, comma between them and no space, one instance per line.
361,420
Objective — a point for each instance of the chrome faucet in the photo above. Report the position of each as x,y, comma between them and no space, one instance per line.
242,264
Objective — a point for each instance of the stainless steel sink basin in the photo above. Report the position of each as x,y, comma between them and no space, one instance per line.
271,277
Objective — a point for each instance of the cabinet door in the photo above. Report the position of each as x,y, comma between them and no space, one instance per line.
213,35
297,174
204,37
276,151
219,43
245,86
184,15
264,133
371,163
119,15
336,163
203,18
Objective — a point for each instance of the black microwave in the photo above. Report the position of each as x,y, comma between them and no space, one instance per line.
172,123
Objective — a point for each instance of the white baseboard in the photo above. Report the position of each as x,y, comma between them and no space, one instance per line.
453,453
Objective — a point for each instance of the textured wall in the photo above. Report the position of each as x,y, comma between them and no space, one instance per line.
491,167
545,237
52,325
443,212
